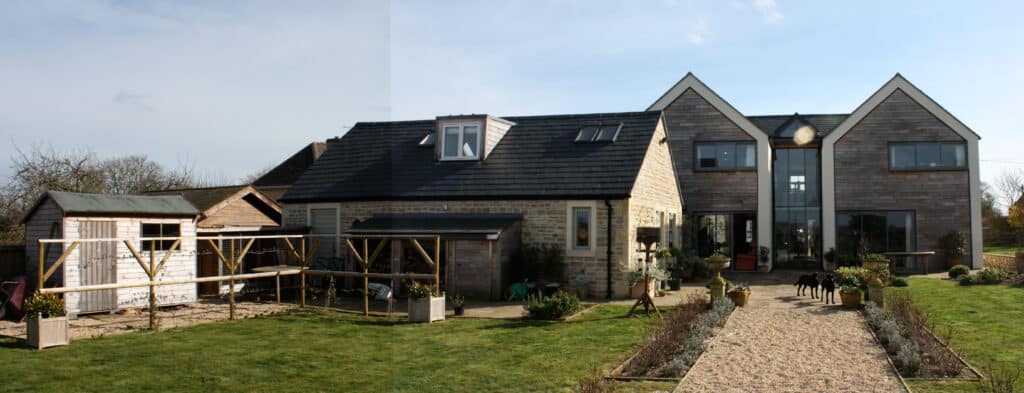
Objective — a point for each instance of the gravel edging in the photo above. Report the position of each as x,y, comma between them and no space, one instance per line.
888,358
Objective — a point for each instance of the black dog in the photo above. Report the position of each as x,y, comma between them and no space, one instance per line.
828,287
807,281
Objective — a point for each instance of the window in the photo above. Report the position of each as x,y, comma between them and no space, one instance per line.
602,133
873,232
662,231
159,230
671,229
924,156
726,156
581,228
797,183
460,141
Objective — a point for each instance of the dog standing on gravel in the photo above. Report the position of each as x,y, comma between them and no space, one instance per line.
807,281
828,287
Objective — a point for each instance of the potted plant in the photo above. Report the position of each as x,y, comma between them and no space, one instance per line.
875,262
670,258
458,301
47,326
425,303
718,262
635,279
740,294
954,246
762,259
849,291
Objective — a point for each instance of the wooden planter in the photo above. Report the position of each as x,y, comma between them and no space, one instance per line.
740,297
850,299
47,332
426,309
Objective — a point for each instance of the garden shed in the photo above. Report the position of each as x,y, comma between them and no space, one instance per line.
74,216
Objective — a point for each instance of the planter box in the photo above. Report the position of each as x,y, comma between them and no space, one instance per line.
638,289
47,332
426,309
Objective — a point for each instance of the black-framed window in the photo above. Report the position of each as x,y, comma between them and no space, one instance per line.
927,156
727,156
873,232
159,230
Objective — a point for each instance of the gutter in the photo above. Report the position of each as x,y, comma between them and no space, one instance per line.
608,267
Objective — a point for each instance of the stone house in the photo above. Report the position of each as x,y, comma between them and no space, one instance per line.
894,175
581,183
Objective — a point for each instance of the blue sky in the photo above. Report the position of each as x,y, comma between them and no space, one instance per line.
232,87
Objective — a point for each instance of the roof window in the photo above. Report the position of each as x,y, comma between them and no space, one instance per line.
605,133
428,140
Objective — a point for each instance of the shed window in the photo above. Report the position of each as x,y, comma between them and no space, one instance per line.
461,141
151,230
726,156
924,156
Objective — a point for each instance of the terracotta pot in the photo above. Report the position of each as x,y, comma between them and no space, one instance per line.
850,299
953,261
740,297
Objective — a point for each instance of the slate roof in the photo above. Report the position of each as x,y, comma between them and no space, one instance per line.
73,203
442,223
536,159
825,124
288,171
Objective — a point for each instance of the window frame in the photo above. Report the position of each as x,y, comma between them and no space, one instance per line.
696,156
912,213
571,226
462,125
158,245
890,158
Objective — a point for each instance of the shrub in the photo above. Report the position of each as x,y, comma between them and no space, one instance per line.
876,258
966,280
991,276
958,270
699,332
907,359
419,290
595,383
47,304
1000,379
669,337
552,307
700,268
899,282
654,272
849,271
849,283
539,263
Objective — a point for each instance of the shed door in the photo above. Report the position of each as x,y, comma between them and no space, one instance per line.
98,265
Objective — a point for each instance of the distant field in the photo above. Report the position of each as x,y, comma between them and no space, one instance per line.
1001,250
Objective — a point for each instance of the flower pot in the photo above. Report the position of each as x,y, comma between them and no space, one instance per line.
953,261
47,332
637,289
875,266
674,284
740,297
426,309
459,311
763,268
850,299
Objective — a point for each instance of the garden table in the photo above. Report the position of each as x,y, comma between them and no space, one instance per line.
915,254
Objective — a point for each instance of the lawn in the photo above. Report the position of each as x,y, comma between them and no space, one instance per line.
1001,250
986,318
312,351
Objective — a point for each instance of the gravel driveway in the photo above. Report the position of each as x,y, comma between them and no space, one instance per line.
784,343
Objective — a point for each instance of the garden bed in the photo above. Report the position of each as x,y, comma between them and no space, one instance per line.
675,345
913,348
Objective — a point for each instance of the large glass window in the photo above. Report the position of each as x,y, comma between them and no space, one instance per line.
797,227
873,232
713,234
927,156
461,141
726,156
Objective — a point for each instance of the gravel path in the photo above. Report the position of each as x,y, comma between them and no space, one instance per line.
784,343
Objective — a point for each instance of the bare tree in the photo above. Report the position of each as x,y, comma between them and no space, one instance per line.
252,177
137,174
1009,187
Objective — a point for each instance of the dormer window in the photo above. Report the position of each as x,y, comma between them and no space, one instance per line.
460,141
599,134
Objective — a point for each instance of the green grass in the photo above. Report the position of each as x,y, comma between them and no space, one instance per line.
312,351
987,320
1001,250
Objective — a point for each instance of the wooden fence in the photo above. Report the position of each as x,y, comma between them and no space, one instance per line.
1005,262
12,260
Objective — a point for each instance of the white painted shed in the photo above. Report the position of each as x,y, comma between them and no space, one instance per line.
72,216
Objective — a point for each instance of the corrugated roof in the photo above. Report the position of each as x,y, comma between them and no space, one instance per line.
537,158
73,203
203,198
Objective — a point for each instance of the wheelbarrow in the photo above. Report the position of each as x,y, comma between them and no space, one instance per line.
12,296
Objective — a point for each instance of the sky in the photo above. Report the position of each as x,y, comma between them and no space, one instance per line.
230,88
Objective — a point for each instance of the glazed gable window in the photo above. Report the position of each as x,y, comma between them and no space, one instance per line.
460,141
726,156
927,156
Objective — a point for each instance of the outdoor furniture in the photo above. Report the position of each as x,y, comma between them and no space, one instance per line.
913,254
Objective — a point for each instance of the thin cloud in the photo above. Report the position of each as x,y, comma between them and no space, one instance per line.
769,10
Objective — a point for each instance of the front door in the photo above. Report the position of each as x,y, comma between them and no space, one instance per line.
732,234
97,265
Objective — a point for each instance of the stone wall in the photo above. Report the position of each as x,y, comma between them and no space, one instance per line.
939,199
656,193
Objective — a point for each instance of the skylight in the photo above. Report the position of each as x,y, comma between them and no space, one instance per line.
605,133
428,140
